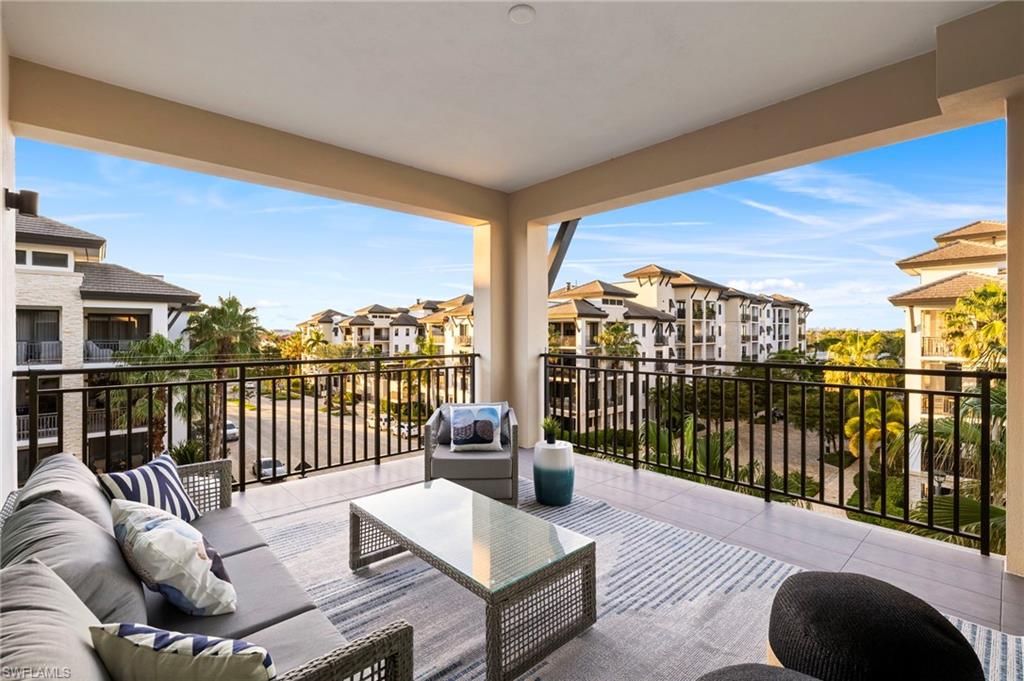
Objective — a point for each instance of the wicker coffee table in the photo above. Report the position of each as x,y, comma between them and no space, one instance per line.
537,579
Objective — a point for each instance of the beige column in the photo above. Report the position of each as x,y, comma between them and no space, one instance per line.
1015,333
8,432
490,311
528,325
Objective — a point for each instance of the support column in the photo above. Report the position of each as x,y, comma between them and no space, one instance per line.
1015,334
8,432
490,311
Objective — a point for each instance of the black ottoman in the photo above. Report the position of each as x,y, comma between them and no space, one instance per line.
849,627
755,672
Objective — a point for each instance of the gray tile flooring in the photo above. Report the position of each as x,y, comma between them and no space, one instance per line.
956,580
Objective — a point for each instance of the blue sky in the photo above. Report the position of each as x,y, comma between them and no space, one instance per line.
827,233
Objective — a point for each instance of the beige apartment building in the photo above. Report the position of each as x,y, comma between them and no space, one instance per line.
963,259
75,310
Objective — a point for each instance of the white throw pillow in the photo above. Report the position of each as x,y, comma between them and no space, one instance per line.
476,427
173,558
131,652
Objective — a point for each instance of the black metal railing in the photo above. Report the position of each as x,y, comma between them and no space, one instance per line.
305,415
39,352
854,438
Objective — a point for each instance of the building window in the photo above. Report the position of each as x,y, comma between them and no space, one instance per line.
20,257
48,259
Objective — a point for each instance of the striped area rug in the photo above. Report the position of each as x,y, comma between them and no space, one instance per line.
673,604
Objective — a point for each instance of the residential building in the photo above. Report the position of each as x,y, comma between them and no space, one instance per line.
75,310
963,259
324,322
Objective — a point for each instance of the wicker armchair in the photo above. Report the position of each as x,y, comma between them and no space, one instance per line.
384,655
494,474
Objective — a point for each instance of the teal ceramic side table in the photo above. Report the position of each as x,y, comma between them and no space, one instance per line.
553,472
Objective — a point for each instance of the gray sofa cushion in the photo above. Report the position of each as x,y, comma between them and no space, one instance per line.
298,639
228,531
444,430
267,594
44,626
495,489
444,463
83,555
69,482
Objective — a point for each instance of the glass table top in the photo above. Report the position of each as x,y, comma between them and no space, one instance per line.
489,542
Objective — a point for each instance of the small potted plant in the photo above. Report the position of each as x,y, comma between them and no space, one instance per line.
550,427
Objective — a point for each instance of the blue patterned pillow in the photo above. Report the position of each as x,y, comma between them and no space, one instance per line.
155,483
136,651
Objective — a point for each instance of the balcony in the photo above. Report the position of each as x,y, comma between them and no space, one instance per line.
464,341
49,425
745,338
744,318
661,339
935,346
105,350
39,352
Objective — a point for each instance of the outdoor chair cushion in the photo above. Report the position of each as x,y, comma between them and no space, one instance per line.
228,531
755,672
44,626
69,482
298,640
267,594
445,463
444,431
81,553
851,627
495,489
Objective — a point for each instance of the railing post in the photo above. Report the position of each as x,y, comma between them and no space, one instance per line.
636,413
33,421
472,377
377,403
544,383
241,428
986,461
768,427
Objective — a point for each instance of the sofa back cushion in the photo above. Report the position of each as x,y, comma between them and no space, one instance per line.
156,483
83,555
69,482
44,627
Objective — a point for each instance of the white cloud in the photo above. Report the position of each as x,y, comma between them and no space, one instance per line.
805,218
766,285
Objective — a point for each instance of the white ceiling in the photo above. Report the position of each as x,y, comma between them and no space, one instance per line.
457,88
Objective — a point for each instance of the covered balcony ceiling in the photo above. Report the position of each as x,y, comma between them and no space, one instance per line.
460,90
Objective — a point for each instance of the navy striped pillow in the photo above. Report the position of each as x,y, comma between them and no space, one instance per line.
155,483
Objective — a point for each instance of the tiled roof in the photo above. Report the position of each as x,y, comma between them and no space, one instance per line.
687,279
959,251
593,289
357,321
404,319
436,318
736,293
105,280
574,309
787,300
456,301
635,310
944,290
651,271
461,311
375,309
43,230
324,316
425,305
975,230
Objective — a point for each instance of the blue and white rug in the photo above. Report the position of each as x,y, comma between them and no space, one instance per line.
672,604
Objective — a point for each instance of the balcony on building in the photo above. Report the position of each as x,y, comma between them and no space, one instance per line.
38,337
107,334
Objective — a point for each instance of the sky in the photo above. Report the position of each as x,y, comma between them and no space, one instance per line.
827,233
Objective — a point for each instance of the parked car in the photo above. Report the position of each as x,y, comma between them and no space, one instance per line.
230,431
270,468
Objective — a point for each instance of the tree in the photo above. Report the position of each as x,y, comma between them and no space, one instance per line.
155,350
976,326
292,348
223,332
313,341
617,340
882,423
862,350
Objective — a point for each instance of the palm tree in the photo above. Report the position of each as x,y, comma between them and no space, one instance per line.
222,332
155,350
970,520
877,426
862,350
312,342
976,326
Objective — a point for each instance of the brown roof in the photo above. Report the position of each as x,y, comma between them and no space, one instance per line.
575,308
787,300
456,301
635,310
975,230
324,316
592,289
425,305
375,309
43,230
404,319
955,252
438,317
102,280
944,290
358,320
461,311
736,293
687,279
651,271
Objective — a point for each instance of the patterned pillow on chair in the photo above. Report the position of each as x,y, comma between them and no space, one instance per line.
476,428
136,651
155,483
